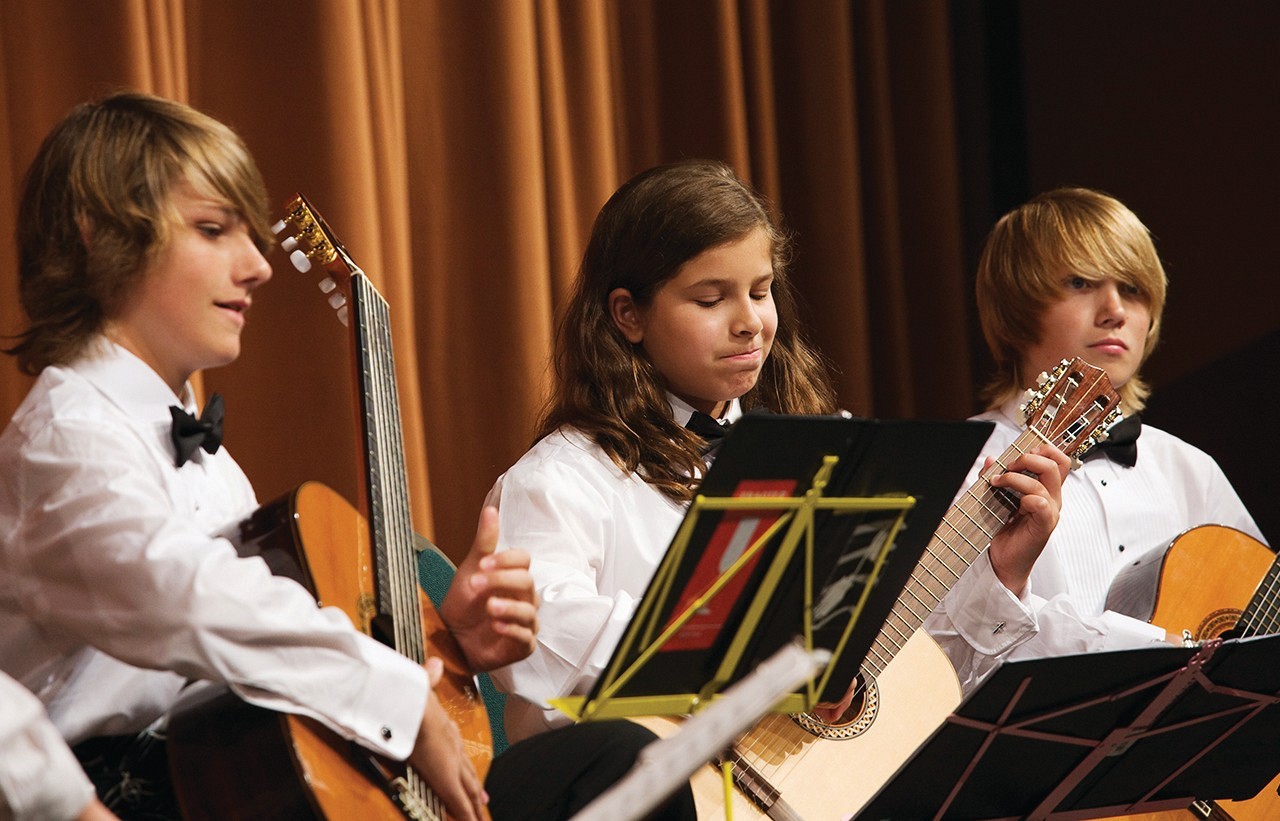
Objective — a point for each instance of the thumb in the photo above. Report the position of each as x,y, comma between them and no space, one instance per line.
486,540
435,670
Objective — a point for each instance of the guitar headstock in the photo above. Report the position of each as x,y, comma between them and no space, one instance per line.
1073,407
309,241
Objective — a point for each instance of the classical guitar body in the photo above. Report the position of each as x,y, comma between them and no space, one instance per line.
815,777
230,760
1203,584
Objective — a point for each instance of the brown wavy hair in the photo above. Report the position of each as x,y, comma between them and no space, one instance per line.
605,386
1077,230
96,207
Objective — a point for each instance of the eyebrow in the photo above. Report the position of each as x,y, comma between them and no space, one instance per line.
227,211
719,281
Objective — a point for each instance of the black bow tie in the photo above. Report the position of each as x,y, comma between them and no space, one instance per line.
1121,444
189,433
709,429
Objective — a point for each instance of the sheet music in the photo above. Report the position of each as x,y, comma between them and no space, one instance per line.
667,763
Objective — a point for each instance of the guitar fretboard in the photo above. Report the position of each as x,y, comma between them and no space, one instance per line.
964,533
395,563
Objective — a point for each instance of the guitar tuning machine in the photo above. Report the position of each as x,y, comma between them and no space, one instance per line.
300,260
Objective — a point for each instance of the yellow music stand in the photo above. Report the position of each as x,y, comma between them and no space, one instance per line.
828,553
795,521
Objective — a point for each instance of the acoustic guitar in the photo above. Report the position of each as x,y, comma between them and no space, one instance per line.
798,766
230,760
1203,583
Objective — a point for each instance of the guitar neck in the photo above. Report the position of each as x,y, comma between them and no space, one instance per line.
395,562
965,531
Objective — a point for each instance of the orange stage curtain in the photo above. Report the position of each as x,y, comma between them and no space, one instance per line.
461,149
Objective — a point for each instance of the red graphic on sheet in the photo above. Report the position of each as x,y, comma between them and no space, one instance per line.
736,532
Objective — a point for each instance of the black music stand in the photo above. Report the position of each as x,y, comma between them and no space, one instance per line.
1100,734
826,516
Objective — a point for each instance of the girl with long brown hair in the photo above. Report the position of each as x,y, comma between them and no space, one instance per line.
682,315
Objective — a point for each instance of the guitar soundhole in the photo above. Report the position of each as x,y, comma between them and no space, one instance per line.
1217,623
855,721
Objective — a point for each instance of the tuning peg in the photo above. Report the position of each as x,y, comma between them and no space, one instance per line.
342,315
300,261
1042,378
289,243
278,227
1076,464
327,284
337,301
1022,414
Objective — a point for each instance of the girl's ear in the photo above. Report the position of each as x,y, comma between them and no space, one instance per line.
626,315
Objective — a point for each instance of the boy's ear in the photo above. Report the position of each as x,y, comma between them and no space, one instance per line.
626,315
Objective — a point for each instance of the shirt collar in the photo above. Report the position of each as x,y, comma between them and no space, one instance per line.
682,410
1010,411
129,383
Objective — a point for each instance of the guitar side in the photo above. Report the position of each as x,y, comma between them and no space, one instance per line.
230,760
1203,583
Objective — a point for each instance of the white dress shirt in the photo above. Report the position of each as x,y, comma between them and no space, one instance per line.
40,780
595,534
113,593
1111,515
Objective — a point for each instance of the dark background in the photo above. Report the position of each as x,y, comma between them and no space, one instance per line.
1174,108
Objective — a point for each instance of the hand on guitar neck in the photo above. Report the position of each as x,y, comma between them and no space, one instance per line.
1036,477
491,607
1035,481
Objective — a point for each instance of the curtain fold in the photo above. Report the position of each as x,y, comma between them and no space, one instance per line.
461,149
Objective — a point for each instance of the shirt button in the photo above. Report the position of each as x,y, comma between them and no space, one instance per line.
1104,482
1121,548
386,733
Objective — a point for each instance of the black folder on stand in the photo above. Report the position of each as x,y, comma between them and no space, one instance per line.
804,526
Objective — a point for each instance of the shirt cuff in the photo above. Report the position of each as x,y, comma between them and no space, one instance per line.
1126,632
985,613
39,776
388,717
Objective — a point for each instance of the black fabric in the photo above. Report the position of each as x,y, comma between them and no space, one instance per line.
706,427
711,431
189,433
130,774
555,774
1121,444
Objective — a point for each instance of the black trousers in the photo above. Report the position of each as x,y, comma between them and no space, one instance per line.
555,774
